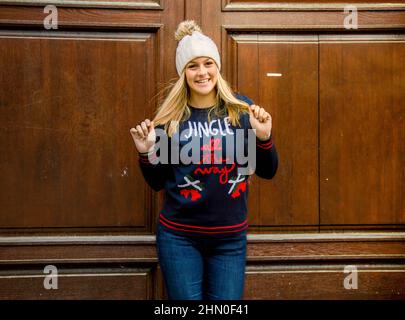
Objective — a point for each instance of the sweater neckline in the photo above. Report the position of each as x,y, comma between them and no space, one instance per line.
200,109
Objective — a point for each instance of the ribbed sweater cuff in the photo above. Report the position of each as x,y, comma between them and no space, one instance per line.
266,144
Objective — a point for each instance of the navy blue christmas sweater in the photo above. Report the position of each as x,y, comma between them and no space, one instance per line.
206,193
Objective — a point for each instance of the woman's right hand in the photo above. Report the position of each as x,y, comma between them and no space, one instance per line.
144,136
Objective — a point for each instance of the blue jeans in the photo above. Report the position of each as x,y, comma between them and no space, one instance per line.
202,267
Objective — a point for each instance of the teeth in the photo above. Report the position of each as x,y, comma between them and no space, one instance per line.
203,81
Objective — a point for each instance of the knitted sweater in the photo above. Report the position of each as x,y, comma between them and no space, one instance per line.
207,196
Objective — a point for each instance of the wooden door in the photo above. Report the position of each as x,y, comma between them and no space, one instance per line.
72,195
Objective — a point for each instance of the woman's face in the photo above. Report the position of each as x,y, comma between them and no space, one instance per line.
201,75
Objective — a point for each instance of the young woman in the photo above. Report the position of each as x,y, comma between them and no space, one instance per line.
201,233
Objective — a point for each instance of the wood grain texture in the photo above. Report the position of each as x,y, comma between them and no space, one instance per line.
311,21
325,282
291,197
362,111
307,5
78,284
130,4
79,18
65,134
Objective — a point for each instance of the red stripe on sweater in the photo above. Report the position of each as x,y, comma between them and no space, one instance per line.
196,231
145,159
266,145
199,227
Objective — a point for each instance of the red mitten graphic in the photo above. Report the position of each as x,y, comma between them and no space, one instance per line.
194,194
241,187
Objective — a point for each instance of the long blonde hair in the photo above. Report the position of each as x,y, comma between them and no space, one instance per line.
174,108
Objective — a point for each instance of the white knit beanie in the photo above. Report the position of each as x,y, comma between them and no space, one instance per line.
192,44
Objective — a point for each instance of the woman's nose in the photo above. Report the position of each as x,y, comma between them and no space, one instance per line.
202,70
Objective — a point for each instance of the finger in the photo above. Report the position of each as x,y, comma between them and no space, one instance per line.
267,116
140,132
148,122
134,133
144,128
252,109
261,114
257,109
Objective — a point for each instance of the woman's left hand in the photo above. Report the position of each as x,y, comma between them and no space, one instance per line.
260,120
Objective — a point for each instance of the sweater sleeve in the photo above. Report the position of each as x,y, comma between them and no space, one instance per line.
266,158
154,172
266,153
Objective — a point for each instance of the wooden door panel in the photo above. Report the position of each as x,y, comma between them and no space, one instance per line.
291,197
362,129
66,114
316,282
129,4
80,284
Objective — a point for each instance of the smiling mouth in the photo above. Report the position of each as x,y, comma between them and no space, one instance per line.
203,81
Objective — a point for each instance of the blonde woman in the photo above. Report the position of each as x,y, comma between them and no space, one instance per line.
201,232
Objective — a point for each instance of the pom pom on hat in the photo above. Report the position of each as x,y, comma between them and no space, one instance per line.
186,27
192,43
